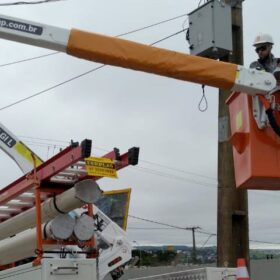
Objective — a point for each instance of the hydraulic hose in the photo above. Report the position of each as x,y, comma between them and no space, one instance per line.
272,121
269,112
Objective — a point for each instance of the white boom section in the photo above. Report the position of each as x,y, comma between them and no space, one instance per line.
253,81
128,54
17,150
83,192
32,33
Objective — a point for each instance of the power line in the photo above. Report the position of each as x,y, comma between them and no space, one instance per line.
71,79
167,37
179,170
44,139
208,238
29,3
160,223
198,231
52,87
28,59
171,176
152,25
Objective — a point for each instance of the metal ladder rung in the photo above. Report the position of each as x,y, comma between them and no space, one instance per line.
4,215
71,174
20,203
10,209
63,180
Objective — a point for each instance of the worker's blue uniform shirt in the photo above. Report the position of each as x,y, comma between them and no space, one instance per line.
268,64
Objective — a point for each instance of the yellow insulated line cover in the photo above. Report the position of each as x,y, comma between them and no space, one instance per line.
131,55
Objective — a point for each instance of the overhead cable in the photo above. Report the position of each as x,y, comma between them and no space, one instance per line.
179,170
50,88
168,37
197,231
151,25
160,223
72,79
29,2
171,176
28,59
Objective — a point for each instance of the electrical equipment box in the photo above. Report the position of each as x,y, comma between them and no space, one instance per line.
210,30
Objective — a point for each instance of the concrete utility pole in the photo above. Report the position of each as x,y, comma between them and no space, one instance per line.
233,229
194,258
194,246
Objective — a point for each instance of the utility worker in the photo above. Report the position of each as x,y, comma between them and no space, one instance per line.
267,62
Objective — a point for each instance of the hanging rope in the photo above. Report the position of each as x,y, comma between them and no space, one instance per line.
203,99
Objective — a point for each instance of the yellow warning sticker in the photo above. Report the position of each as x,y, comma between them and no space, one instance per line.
101,167
238,120
27,154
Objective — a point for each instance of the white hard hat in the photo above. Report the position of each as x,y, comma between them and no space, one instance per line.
262,39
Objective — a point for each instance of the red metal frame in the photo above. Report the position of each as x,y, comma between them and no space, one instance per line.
38,182
46,170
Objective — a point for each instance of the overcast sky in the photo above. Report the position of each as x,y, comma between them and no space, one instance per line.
175,181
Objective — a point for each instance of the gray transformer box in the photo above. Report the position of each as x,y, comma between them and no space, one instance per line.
210,30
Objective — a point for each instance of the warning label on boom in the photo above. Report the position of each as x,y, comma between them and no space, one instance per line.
101,167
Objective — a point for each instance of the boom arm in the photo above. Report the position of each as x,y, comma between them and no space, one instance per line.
128,54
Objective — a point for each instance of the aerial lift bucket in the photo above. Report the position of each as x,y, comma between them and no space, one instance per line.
256,152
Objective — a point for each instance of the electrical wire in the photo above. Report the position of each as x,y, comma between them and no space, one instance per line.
28,59
51,88
72,79
208,238
160,223
171,176
29,3
151,25
44,139
167,37
178,170
197,231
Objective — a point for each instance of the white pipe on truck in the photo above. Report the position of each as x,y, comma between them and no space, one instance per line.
83,192
84,228
24,244
60,228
